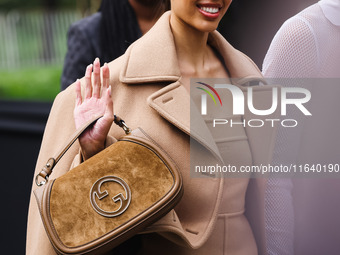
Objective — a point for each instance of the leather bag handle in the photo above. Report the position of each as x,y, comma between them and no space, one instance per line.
48,168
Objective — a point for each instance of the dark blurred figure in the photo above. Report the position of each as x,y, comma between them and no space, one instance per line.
108,33
306,52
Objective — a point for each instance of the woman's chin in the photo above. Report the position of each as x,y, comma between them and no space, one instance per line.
207,27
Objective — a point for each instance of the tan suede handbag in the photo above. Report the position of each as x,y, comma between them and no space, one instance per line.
110,197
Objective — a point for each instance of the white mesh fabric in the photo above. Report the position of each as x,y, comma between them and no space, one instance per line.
279,220
306,46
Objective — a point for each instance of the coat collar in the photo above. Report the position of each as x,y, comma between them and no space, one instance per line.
153,58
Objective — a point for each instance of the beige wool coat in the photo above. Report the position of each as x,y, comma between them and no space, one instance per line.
147,92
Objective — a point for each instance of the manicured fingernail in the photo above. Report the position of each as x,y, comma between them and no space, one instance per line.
97,59
88,70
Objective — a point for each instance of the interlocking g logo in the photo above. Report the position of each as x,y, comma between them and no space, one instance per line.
124,201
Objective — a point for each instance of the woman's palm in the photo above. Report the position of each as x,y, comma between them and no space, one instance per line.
97,101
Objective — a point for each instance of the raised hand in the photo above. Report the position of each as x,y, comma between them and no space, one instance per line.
97,100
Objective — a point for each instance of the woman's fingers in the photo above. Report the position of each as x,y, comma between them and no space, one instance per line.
93,82
106,75
78,93
109,103
96,78
88,85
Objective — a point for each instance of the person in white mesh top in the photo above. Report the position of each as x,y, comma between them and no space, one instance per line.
306,46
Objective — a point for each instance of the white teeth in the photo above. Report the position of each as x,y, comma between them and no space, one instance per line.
210,9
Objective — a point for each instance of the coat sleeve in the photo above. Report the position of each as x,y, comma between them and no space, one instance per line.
59,129
60,126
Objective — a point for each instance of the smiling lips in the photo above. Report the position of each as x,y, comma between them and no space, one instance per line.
211,11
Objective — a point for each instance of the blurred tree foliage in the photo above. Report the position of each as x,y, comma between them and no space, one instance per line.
37,82
6,5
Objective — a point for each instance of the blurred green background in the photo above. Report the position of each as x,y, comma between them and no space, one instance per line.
33,45
33,35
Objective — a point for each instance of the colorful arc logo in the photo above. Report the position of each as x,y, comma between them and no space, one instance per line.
209,93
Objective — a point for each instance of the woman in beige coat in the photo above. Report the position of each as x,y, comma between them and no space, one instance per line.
150,87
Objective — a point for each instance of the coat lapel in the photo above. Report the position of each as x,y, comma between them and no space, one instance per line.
153,59
173,103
